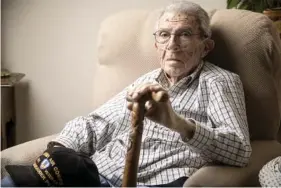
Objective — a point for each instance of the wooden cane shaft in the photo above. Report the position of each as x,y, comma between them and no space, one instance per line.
133,152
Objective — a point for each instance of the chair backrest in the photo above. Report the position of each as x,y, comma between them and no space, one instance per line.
246,43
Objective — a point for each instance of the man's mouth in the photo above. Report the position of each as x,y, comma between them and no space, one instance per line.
173,59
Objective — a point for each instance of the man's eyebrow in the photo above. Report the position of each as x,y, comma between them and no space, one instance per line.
185,29
164,29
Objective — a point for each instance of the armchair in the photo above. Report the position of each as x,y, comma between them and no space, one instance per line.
246,43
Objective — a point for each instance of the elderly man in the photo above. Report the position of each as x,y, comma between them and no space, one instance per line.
204,121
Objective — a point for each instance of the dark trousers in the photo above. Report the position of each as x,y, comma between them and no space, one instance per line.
177,183
8,182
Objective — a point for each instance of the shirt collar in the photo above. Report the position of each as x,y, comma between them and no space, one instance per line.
164,82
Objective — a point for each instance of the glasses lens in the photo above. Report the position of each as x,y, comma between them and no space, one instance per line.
184,37
162,36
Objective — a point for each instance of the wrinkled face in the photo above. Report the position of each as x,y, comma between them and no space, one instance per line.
179,44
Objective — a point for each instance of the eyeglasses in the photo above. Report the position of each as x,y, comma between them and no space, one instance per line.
184,37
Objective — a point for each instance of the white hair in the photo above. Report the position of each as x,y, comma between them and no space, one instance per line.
189,8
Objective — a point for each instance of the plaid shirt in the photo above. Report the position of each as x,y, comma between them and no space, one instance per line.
211,97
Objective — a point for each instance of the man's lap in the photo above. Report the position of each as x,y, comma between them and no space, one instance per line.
177,183
8,182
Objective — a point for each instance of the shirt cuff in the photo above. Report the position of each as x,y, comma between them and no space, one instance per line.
202,138
65,141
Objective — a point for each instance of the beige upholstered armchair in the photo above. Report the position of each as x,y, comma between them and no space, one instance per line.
246,43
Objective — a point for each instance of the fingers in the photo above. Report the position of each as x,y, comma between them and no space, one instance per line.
141,91
136,93
156,88
150,107
133,106
160,96
130,106
129,98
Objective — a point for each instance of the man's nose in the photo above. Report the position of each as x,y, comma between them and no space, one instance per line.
173,44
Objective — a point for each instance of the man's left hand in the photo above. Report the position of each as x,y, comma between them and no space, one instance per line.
158,108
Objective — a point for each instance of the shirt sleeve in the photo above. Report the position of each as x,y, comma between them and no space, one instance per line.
90,133
225,137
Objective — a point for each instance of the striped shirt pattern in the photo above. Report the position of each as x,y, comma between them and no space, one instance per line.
211,97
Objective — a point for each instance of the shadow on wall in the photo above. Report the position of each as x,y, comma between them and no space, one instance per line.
22,102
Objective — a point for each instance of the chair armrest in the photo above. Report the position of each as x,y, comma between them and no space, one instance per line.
227,176
25,153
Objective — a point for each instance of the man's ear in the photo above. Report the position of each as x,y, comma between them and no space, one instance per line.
209,46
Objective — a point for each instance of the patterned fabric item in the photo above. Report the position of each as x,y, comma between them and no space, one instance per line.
212,97
270,174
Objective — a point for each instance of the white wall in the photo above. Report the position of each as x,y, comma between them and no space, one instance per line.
54,43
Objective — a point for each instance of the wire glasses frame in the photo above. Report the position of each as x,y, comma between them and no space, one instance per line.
163,37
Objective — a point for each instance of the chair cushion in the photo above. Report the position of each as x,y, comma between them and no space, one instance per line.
125,51
246,43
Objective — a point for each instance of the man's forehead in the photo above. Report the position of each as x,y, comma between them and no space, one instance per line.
178,20
178,17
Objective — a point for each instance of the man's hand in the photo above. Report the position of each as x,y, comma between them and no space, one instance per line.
158,108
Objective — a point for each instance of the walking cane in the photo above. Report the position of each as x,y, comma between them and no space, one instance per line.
133,151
